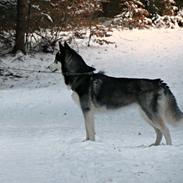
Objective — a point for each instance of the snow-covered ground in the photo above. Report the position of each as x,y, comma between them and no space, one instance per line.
41,128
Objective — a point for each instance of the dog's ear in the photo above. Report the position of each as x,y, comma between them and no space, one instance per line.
61,47
66,45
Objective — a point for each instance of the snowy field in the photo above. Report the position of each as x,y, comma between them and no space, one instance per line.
41,128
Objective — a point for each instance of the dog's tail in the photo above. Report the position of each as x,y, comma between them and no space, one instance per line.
172,111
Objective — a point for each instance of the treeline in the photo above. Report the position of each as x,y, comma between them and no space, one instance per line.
65,14
68,14
32,18
160,7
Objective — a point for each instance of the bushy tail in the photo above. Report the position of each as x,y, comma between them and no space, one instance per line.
172,110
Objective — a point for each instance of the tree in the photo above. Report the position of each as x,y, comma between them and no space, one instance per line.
22,6
163,7
133,15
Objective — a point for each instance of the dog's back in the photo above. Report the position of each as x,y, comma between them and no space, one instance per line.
117,92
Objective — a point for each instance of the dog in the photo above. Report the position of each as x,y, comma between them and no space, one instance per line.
96,90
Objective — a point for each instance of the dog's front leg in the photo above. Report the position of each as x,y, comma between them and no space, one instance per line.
85,104
89,124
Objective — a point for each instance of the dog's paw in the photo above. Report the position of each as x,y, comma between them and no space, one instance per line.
154,144
84,140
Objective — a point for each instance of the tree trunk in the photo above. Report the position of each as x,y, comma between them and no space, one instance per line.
21,26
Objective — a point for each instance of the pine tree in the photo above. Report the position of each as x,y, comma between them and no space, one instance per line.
134,14
163,7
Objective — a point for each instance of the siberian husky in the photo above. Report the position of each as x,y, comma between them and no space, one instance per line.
99,90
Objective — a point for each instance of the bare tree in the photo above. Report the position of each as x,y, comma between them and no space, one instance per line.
22,7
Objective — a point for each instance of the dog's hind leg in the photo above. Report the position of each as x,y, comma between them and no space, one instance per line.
158,132
165,131
160,128
153,106
159,137
150,119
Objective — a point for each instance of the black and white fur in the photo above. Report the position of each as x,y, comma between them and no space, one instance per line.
99,90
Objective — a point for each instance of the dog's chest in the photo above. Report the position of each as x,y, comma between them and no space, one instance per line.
75,98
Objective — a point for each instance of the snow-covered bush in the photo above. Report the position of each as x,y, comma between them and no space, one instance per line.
148,13
170,21
134,15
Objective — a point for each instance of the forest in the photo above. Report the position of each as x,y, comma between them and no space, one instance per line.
31,25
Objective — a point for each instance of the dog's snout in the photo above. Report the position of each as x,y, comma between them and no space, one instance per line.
52,67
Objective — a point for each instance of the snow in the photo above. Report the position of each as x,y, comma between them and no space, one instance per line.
41,128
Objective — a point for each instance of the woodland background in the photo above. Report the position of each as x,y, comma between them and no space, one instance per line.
31,25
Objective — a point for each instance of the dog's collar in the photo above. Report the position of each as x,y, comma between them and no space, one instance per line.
77,73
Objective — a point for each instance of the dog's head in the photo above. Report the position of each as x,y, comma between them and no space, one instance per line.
59,58
72,64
